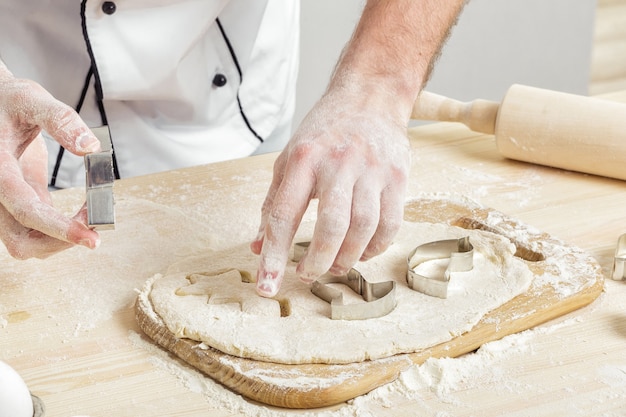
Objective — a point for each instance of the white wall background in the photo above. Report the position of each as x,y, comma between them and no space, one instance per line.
542,43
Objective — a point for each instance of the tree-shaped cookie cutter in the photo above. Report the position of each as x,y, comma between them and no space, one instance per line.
380,297
461,254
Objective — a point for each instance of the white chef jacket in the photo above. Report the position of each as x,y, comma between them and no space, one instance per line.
178,82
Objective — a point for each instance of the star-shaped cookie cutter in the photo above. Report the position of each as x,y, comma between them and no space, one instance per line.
461,254
380,297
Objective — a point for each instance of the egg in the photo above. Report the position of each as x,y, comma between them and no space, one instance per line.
15,399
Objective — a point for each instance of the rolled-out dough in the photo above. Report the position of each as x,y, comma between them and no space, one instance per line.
204,298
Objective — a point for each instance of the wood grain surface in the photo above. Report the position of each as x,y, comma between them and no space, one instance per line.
271,383
102,366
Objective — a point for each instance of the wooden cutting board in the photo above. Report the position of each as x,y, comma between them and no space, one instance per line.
319,385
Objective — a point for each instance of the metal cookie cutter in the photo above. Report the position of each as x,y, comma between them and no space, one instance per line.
461,254
619,262
380,297
99,183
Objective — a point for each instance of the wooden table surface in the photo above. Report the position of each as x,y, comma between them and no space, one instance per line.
95,362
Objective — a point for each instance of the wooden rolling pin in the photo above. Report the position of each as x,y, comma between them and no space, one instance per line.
543,127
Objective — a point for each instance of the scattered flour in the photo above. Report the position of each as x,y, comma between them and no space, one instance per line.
445,380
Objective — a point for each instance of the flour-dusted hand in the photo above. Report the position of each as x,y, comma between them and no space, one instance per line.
29,225
354,158
351,152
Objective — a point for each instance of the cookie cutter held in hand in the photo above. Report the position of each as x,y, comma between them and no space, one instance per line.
380,297
99,177
619,262
99,190
461,254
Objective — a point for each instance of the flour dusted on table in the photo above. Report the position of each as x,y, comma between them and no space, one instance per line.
204,298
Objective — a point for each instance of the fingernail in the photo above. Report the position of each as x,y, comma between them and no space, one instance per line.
89,243
268,284
87,142
305,277
338,271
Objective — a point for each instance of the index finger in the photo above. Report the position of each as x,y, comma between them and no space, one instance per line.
64,125
283,217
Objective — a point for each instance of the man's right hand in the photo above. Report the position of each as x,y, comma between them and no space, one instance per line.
30,227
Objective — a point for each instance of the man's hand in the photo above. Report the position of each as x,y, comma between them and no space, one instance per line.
352,155
351,152
29,225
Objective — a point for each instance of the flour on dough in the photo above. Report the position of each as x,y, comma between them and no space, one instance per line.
295,327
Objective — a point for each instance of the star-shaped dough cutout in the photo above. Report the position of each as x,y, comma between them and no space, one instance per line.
230,287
